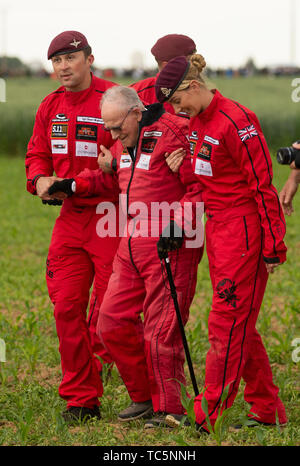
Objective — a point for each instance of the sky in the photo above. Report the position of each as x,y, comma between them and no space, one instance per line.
226,33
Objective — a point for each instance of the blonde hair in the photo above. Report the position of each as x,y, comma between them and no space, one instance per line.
197,65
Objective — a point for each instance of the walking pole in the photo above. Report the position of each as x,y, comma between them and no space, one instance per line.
165,257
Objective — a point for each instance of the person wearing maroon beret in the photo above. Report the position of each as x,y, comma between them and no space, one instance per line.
165,48
66,139
245,231
67,42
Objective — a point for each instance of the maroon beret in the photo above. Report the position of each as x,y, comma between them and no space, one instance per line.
173,45
170,78
66,42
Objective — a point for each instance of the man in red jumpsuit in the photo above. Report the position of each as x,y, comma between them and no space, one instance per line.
66,137
165,48
149,355
244,237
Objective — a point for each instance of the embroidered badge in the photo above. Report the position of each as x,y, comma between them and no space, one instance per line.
205,151
88,132
59,131
247,133
166,91
75,43
148,145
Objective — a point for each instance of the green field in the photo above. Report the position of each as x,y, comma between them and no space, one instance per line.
270,98
29,403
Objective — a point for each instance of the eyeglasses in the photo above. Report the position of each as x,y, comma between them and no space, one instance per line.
119,128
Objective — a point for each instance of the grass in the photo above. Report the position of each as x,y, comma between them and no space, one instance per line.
29,403
270,98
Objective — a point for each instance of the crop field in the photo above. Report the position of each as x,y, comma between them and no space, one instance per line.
29,403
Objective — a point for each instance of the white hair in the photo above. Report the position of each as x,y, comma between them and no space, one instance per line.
125,96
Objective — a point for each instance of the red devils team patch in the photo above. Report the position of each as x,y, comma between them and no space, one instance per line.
87,132
148,145
205,151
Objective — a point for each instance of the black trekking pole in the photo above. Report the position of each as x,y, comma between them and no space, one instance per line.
165,257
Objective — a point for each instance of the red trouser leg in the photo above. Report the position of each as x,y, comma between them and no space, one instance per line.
68,286
239,279
120,325
92,319
102,252
149,361
75,253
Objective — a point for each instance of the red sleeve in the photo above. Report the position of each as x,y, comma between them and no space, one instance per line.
38,159
91,183
251,154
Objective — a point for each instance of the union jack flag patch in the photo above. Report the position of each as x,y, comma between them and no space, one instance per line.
247,133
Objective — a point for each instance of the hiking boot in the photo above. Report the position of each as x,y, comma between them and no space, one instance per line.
136,411
77,414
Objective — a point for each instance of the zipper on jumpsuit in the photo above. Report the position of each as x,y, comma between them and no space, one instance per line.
132,153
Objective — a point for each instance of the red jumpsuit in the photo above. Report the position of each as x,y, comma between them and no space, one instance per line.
67,132
244,230
149,355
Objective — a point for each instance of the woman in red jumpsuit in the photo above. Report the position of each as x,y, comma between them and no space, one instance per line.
244,236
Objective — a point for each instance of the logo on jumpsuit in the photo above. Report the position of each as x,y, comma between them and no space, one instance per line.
205,151
226,290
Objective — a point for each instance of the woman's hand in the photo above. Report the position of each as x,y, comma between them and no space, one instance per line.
174,160
271,267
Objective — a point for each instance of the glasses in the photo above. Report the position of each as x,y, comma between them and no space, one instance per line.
119,128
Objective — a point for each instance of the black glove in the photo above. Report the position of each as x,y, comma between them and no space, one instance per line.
53,202
65,186
170,239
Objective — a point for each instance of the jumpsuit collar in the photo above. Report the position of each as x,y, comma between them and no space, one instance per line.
149,116
209,111
74,98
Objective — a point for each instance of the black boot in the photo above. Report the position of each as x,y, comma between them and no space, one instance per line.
78,414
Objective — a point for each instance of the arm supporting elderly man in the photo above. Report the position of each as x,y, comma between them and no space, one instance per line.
149,357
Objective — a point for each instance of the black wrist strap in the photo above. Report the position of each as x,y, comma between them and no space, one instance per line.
34,180
114,164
